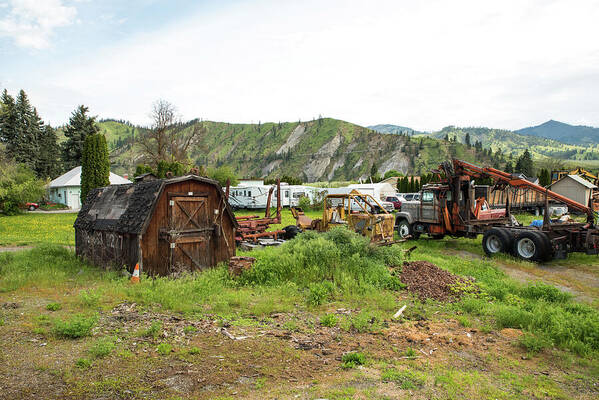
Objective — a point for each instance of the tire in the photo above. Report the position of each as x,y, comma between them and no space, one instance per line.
404,229
531,246
547,250
497,240
31,208
437,236
291,231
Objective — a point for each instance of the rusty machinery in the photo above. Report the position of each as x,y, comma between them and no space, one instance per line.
455,215
359,212
253,227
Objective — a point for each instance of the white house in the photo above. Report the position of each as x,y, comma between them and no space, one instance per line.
66,189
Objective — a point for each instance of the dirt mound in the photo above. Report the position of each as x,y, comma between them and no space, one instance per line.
431,282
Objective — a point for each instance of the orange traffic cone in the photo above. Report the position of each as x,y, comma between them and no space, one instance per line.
135,276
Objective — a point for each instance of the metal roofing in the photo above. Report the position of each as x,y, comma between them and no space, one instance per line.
73,178
578,179
128,208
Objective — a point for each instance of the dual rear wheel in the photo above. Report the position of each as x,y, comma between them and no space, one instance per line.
527,245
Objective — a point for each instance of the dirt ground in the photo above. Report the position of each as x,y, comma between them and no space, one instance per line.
285,356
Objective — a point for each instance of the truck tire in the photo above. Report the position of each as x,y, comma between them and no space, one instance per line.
547,252
404,229
497,240
531,246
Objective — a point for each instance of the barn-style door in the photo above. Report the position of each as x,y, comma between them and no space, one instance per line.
190,231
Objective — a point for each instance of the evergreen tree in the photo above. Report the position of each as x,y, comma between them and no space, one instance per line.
8,122
467,139
95,164
48,165
79,127
509,168
524,164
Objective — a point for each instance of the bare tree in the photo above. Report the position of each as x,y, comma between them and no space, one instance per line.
168,138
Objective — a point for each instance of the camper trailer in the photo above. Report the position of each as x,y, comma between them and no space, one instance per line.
379,191
254,195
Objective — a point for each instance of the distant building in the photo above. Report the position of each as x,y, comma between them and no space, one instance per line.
575,188
66,189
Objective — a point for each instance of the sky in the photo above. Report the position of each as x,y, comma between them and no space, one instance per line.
423,64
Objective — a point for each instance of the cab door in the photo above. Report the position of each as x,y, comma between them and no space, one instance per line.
428,206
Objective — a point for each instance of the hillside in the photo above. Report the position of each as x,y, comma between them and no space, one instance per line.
393,129
579,135
514,143
320,150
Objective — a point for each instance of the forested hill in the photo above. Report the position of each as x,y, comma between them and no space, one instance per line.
393,129
514,143
581,135
320,150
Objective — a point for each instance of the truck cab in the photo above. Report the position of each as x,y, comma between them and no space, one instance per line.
423,215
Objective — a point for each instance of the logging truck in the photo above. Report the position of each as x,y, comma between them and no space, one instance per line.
450,207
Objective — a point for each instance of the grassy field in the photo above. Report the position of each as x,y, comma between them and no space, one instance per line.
37,228
313,319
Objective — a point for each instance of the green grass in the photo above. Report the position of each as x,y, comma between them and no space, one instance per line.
74,327
102,347
33,229
352,360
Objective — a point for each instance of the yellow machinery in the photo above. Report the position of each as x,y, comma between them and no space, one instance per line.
557,175
359,212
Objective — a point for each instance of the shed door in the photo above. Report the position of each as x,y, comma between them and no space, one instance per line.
190,233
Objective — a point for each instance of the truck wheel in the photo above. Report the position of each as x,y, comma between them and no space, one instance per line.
547,250
497,240
404,229
530,246
31,208
437,236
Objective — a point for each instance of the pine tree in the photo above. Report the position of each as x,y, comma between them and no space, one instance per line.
79,127
524,164
95,164
467,139
8,122
509,168
48,164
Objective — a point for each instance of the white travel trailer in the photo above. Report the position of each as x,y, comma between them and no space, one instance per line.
379,191
291,194
254,195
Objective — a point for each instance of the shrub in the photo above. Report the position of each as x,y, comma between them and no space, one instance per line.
102,347
164,349
75,327
329,320
353,359
89,298
53,306
153,330
320,293
407,379
534,343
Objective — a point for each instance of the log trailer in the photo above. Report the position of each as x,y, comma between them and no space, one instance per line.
450,208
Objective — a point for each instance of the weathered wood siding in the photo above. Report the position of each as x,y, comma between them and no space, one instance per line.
156,251
107,249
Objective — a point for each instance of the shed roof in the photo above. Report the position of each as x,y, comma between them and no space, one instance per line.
128,208
73,178
578,179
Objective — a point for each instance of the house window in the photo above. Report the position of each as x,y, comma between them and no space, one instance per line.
59,195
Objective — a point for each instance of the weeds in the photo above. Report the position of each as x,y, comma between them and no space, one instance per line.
406,379
329,320
74,327
534,343
89,298
53,306
164,349
83,363
102,347
152,331
352,360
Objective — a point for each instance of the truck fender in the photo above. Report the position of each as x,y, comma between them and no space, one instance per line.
404,215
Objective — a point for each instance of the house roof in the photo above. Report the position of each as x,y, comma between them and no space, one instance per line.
578,179
73,178
128,208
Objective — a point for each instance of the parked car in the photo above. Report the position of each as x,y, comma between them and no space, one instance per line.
395,201
411,196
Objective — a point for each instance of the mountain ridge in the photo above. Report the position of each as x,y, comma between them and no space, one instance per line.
570,134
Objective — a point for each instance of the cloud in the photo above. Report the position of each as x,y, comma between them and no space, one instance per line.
31,23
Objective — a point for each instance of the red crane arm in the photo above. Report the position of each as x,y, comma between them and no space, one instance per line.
509,179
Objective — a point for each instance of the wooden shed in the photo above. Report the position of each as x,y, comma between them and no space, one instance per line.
164,225
575,188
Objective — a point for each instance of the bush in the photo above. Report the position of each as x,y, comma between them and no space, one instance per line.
75,327
353,359
329,320
320,293
534,343
102,347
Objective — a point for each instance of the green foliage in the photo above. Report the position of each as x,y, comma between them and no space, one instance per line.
79,127
164,349
165,168
102,347
83,363
406,379
89,298
221,174
391,173
53,306
189,329
325,262
153,330
329,320
524,164
410,352
194,350
18,185
352,360
534,343
292,180
74,327
542,291
95,164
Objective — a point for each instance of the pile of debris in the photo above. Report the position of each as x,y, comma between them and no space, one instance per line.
431,282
